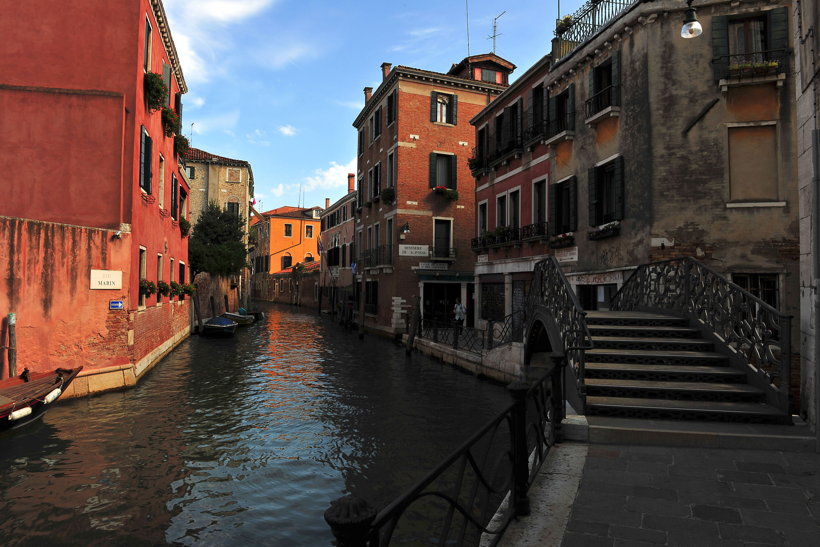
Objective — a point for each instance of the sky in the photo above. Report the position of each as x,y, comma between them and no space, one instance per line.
278,83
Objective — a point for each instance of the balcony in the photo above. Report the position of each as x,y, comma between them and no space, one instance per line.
505,148
574,30
604,104
537,130
562,128
534,232
751,68
478,163
443,252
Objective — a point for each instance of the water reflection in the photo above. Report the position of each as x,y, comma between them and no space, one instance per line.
246,438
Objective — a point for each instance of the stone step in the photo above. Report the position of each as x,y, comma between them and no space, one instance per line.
639,331
671,372
651,343
628,407
688,391
634,318
655,357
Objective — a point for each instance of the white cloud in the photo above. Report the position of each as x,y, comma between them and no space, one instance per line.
353,105
277,56
225,122
287,130
334,176
258,137
222,11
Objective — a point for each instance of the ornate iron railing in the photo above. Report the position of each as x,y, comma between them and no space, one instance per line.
754,64
551,290
563,122
452,334
510,329
610,96
752,329
573,30
536,230
472,496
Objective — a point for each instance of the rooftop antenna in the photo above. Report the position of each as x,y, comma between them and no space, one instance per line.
495,34
191,140
467,14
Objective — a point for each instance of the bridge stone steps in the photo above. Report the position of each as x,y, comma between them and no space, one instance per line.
656,366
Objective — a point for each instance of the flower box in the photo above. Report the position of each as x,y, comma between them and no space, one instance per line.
561,241
604,231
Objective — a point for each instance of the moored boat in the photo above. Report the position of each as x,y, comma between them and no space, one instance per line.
28,396
219,326
239,318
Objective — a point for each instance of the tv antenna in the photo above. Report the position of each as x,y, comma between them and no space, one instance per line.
467,16
495,26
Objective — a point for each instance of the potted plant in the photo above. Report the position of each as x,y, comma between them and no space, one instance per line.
189,289
147,288
562,240
448,193
563,25
171,122
388,194
181,144
176,289
605,230
156,92
163,288
184,227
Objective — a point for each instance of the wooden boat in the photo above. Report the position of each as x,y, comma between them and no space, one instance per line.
240,319
26,397
219,326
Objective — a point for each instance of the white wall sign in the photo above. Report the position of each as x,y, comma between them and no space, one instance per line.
568,254
105,279
433,265
482,258
414,250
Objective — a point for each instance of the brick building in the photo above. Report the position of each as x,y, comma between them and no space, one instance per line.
93,188
415,211
336,248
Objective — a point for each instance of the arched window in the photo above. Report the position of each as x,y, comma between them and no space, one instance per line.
287,261
308,257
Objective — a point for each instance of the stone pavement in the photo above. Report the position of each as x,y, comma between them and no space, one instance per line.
613,495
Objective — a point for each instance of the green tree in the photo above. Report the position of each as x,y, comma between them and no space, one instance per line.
216,245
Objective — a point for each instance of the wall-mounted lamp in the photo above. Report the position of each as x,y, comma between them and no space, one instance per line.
406,228
691,27
117,234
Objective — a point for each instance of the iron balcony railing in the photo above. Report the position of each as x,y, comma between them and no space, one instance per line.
537,126
506,147
535,230
378,256
610,96
564,122
754,64
573,30
473,495
442,251
478,162
758,335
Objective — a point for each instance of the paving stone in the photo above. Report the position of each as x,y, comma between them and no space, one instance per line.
624,518
814,509
799,538
649,468
626,477
630,543
699,529
780,521
658,507
787,506
607,487
742,503
586,527
573,539
716,514
655,493
744,532
768,493
656,537
760,467
604,501
730,475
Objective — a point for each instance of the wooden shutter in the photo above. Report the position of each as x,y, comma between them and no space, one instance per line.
616,78
571,107
142,157
778,34
592,89
178,107
148,154
720,46
592,189
433,157
618,188
531,109
166,78
551,116
553,208
454,109
433,106
453,172
573,204
519,122
174,196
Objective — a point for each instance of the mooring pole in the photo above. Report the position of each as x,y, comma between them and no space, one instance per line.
349,519
12,345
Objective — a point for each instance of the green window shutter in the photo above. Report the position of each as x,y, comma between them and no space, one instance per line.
531,110
166,78
433,105
142,157
551,115
618,188
148,155
519,121
433,157
571,108
592,90
720,46
573,204
552,195
453,172
454,110
778,32
593,197
616,77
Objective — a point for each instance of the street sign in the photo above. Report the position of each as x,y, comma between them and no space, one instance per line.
116,305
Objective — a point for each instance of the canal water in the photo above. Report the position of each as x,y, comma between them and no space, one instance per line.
242,439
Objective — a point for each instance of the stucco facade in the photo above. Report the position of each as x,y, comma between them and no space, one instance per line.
93,189
336,251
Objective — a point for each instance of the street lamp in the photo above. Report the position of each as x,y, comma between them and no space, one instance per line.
691,27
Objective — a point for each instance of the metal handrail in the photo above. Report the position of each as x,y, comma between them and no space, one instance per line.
586,22
609,96
755,332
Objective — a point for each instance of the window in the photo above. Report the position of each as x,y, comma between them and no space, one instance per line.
170,270
174,197
191,171
146,59
539,201
360,193
536,115
233,174
753,163
166,79
374,182
308,257
443,108
442,170
749,40
561,112
288,230
391,107
391,168
287,261
145,160
232,207
183,203
442,235
515,209
501,210
143,274
562,202
606,192
309,230
161,193
482,217
371,297
763,286
376,124
488,75
361,141
603,85
159,275
181,272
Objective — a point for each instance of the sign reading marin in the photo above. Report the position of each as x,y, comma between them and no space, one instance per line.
105,279
414,250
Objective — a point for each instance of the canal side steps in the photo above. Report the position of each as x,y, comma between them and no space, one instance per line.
653,366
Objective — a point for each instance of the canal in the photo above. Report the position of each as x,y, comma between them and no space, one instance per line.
241,439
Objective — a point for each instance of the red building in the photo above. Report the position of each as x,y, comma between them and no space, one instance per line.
94,192
415,208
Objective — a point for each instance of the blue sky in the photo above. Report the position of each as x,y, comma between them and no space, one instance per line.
278,83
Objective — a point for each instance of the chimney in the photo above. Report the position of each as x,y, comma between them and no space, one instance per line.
368,92
351,182
327,203
386,70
